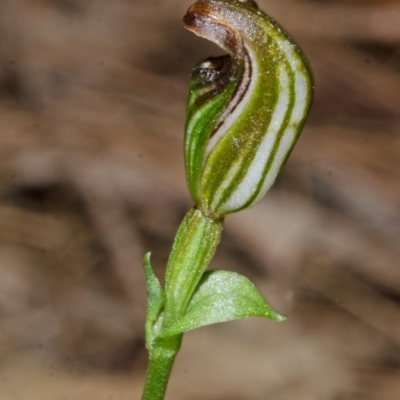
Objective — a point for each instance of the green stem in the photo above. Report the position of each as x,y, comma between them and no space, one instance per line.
161,361
194,246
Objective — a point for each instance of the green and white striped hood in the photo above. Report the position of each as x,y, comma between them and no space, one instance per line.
246,109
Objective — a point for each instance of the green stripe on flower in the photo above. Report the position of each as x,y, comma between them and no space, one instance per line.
246,109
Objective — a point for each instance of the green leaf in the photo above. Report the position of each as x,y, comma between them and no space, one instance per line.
155,300
220,297
194,246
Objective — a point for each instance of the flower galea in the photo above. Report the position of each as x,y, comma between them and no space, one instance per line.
245,109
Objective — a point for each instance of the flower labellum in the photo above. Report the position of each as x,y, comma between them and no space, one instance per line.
245,109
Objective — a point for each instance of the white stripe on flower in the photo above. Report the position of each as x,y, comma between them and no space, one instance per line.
254,175
252,179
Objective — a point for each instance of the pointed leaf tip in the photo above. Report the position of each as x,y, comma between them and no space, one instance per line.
155,293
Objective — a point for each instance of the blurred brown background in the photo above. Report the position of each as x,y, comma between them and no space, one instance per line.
92,104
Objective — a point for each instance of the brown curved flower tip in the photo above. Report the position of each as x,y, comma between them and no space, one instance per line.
200,20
